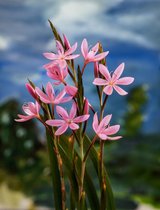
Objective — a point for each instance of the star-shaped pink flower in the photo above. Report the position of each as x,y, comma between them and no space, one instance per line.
113,82
67,120
103,130
90,55
50,97
62,55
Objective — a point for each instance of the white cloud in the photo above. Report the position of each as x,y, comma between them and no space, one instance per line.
78,18
4,43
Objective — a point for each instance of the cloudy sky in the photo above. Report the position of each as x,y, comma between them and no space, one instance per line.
129,29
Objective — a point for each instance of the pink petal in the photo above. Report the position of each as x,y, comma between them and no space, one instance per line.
71,90
56,83
44,98
37,106
61,130
86,106
95,122
62,63
84,48
99,81
120,90
50,91
105,121
70,57
108,90
59,47
71,50
31,90
27,110
55,122
50,65
74,126
104,71
24,118
102,136
114,138
117,73
62,112
66,42
112,129
95,48
50,56
66,99
60,95
73,111
31,108
100,56
81,118
124,81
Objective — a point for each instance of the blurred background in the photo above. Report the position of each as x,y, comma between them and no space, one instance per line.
130,30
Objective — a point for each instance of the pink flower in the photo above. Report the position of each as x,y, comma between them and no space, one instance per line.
50,96
55,72
62,55
67,120
113,82
103,130
90,56
32,111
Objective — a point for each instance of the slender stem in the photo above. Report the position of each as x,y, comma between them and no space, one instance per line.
82,167
87,152
101,155
60,163
52,110
83,68
73,76
104,103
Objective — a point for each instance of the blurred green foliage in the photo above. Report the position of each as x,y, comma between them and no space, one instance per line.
24,161
133,118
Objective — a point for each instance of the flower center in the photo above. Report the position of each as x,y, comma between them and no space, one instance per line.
111,83
69,121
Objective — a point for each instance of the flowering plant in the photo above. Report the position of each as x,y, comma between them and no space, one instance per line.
69,153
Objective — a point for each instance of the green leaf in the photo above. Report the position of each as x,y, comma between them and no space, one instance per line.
70,172
108,196
56,34
82,203
73,171
91,192
80,90
55,174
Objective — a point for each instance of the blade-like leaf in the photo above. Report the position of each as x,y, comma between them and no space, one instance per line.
56,34
70,171
91,193
80,90
55,174
94,157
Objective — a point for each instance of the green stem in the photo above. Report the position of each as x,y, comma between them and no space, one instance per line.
59,160
73,76
87,152
83,68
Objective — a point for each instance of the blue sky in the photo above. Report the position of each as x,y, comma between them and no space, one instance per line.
129,29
